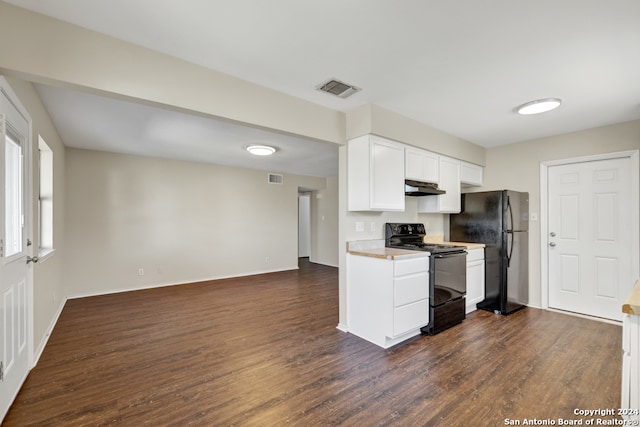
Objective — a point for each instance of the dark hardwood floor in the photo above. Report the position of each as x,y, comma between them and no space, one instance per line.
264,351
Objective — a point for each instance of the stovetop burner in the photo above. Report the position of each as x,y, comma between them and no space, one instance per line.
411,236
427,247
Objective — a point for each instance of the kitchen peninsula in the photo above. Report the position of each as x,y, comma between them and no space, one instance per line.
388,290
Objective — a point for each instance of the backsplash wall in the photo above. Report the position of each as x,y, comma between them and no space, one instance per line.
373,222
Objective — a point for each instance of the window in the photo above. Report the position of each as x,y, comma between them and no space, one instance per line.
45,199
14,213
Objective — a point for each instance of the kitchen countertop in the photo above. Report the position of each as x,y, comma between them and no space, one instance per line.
632,303
440,239
388,253
376,249
467,245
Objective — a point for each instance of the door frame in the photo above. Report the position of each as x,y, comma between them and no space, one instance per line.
6,89
634,155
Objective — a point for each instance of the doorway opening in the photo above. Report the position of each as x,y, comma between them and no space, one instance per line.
304,226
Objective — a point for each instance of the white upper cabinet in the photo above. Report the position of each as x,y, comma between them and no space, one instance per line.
421,165
450,183
375,174
470,174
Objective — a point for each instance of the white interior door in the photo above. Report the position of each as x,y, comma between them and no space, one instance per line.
590,236
14,282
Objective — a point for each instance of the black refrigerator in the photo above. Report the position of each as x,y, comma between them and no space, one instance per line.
500,220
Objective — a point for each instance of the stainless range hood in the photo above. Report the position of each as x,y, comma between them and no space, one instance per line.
419,188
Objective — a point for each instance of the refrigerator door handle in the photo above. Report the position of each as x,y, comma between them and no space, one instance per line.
509,248
509,232
510,223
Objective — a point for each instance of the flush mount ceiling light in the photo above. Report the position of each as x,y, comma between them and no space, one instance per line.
261,150
539,106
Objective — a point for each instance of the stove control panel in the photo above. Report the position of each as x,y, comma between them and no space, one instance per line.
401,229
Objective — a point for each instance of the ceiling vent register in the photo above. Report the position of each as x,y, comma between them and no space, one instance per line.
338,88
274,178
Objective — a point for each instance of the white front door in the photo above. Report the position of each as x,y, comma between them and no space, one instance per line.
14,283
590,236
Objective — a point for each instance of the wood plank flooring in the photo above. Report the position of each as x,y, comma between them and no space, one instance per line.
264,351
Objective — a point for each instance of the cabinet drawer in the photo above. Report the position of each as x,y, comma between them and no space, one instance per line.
410,317
410,266
475,254
410,289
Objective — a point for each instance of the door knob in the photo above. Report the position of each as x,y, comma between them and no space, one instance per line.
552,234
33,260
552,244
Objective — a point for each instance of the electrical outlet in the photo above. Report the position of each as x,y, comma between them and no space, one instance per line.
141,272
266,260
359,226
373,226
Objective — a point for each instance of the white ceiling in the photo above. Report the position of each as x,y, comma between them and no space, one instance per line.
107,124
458,66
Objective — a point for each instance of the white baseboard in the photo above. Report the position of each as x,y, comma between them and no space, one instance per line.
45,339
585,316
322,263
185,282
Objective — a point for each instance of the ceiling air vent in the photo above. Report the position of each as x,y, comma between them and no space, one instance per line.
274,178
338,88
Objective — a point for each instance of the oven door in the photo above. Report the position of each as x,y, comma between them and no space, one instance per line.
449,274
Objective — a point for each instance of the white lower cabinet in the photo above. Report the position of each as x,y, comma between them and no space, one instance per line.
387,300
475,278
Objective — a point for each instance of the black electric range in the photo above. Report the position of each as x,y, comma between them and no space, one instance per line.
447,274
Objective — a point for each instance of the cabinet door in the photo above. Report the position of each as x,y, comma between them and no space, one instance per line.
475,284
375,174
410,317
475,278
470,174
387,175
421,165
450,183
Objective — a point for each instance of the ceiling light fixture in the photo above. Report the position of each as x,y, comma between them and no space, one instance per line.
261,150
539,106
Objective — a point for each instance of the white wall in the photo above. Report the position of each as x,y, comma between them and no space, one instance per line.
372,119
178,221
517,167
324,224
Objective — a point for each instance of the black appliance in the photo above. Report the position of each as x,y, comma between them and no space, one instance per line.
500,220
447,274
